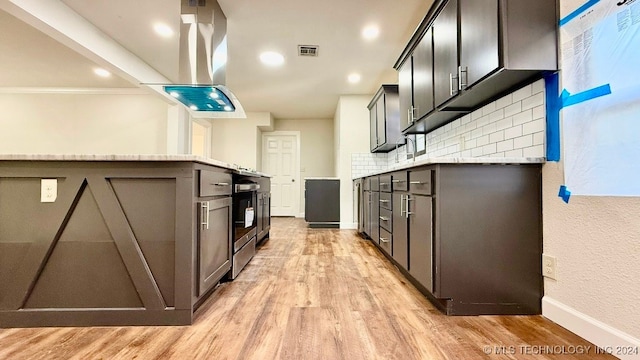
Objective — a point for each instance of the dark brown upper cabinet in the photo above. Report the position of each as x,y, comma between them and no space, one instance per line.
482,49
384,118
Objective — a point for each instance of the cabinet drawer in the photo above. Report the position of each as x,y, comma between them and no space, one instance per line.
399,181
385,240
385,183
385,200
213,183
374,183
386,219
420,182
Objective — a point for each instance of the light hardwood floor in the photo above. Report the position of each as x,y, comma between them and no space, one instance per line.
310,294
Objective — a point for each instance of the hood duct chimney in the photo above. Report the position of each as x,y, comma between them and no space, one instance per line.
203,62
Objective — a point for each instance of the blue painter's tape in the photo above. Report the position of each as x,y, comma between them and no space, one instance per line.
564,193
553,106
568,99
577,12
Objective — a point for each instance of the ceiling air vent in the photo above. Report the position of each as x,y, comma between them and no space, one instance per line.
307,50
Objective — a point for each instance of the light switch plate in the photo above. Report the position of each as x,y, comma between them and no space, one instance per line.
48,190
549,266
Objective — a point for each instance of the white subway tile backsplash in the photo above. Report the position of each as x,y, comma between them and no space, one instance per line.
539,138
489,108
533,151
513,109
537,86
539,112
504,123
496,136
504,101
489,149
523,117
489,128
482,141
523,141
513,153
533,126
476,114
533,101
512,126
522,93
496,115
513,132
506,145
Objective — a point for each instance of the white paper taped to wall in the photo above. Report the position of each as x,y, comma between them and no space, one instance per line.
600,55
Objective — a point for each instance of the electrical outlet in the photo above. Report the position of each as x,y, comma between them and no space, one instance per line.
48,190
549,266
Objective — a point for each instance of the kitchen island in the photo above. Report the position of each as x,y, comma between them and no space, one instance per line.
111,239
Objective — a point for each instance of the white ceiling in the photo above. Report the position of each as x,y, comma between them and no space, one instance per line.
303,88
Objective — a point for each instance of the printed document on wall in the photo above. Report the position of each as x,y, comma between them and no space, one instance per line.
600,56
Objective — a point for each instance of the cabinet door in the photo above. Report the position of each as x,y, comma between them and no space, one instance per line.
373,123
375,217
214,242
445,53
400,236
405,92
266,208
367,212
259,214
423,76
381,119
421,240
478,39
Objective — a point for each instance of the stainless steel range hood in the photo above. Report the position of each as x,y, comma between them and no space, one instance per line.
203,62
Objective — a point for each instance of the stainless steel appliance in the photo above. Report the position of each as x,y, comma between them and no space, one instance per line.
244,221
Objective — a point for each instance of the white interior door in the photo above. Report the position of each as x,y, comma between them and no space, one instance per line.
280,154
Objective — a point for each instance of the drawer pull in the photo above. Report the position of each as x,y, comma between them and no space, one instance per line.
397,181
384,184
383,201
221,184
384,240
417,182
383,218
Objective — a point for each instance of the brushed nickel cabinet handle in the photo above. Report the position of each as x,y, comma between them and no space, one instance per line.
221,184
205,214
384,240
384,218
417,182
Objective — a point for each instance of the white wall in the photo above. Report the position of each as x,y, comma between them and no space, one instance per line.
352,122
82,124
238,141
316,148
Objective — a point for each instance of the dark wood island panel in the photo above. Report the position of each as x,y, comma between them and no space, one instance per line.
119,246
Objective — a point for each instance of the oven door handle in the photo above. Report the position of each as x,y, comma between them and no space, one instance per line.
246,187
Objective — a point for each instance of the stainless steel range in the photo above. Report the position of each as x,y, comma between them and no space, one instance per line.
245,187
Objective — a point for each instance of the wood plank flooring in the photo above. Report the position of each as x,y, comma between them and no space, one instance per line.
311,294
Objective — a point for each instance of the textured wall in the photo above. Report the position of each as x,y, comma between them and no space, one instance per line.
596,241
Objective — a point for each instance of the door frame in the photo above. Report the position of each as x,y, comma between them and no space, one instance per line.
297,197
207,136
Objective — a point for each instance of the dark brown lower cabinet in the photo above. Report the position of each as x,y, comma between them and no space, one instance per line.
214,242
375,217
469,236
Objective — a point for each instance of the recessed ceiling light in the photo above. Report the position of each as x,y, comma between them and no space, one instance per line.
354,78
101,72
227,108
370,32
163,29
272,58
193,107
214,95
174,94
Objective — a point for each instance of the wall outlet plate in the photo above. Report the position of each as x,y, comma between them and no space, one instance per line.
48,190
549,267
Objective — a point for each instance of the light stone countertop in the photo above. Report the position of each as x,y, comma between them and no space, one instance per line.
124,157
445,160
322,178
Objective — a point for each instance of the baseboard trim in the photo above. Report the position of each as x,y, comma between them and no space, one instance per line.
600,334
348,226
300,216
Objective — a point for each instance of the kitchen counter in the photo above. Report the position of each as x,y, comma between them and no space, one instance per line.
130,157
452,160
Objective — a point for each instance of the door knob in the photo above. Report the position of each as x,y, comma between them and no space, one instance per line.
293,180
